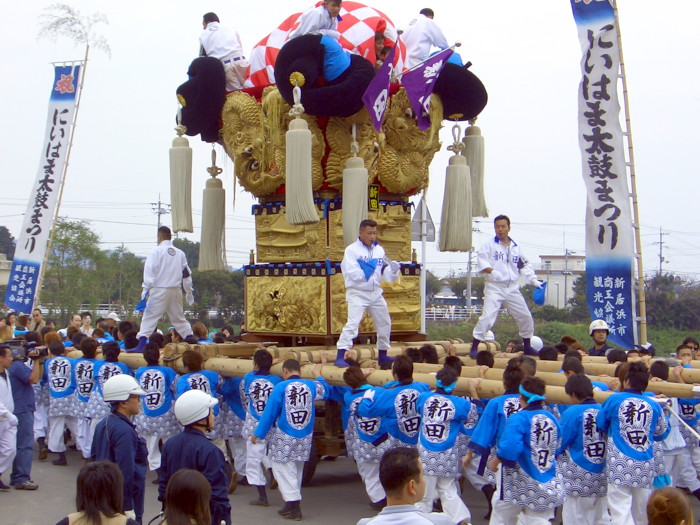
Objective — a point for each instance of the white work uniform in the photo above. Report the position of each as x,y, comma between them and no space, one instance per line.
363,293
224,43
419,38
502,287
164,273
317,21
8,423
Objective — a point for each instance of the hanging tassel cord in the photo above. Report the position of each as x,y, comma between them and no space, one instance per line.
458,146
214,170
180,129
297,109
354,145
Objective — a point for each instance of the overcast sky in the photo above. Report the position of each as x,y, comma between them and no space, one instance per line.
526,53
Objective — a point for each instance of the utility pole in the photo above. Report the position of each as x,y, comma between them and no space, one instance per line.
661,250
469,280
159,208
566,273
475,229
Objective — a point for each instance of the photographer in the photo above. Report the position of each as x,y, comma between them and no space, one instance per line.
8,421
26,370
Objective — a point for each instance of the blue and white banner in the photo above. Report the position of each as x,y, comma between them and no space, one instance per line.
609,234
41,208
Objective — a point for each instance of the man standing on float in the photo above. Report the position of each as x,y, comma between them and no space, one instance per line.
364,264
501,262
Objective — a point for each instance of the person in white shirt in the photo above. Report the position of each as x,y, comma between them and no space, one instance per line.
501,262
363,266
8,421
401,475
321,20
224,43
421,35
164,275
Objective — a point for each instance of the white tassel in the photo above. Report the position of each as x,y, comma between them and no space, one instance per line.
212,247
355,178
299,206
474,152
456,219
181,181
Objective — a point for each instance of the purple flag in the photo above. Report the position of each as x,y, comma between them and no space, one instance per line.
419,84
376,95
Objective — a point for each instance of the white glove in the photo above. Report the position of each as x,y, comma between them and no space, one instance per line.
13,420
143,294
189,296
330,33
130,514
395,267
537,283
369,394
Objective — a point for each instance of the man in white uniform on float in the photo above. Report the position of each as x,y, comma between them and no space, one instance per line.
421,36
364,264
164,275
224,43
501,262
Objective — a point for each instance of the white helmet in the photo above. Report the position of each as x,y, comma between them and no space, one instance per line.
192,406
598,324
120,387
536,343
488,336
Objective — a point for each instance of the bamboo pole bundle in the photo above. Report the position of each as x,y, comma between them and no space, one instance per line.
689,375
333,375
556,379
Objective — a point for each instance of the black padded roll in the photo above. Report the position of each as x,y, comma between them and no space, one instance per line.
340,98
203,97
462,93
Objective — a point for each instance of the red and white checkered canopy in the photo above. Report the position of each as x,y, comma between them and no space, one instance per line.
357,28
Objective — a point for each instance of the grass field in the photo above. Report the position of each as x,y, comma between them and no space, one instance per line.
665,340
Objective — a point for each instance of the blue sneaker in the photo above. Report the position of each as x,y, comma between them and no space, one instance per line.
340,358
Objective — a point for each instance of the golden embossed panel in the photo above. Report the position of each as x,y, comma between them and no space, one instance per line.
278,241
286,304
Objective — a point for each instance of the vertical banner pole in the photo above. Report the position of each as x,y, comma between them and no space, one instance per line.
610,241
45,262
641,294
423,261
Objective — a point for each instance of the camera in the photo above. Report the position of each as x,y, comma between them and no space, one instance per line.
20,350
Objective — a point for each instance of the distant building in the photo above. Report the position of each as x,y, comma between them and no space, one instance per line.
560,272
5,267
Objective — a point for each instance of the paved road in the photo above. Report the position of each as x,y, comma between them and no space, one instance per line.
335,496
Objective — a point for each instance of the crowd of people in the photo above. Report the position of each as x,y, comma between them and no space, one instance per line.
599,463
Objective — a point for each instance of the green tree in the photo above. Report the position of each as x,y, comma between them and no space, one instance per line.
72,275
458,283
578,308
661,292
191,250
122,273
220,290
7,243
433,285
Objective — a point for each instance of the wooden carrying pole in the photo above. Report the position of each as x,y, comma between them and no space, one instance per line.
491,386
641,298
